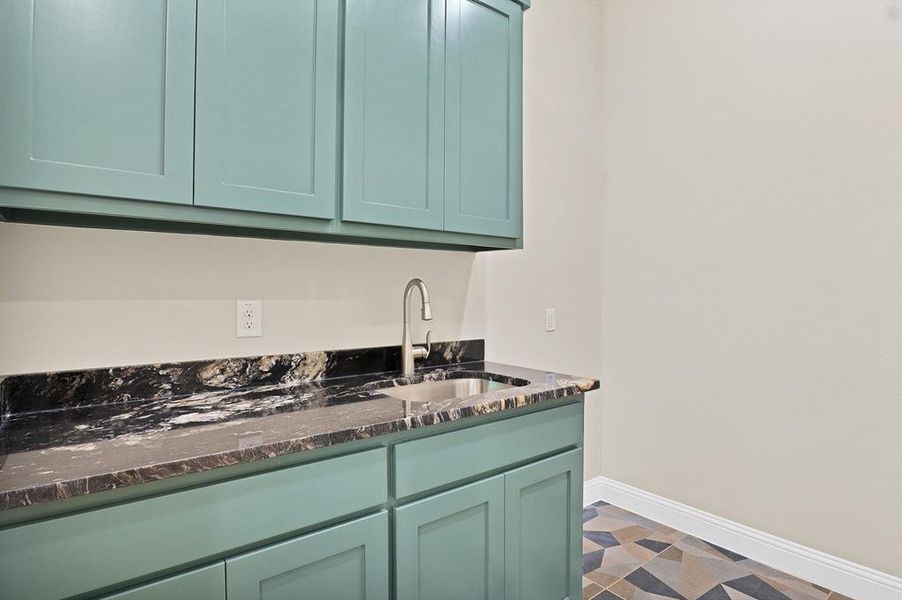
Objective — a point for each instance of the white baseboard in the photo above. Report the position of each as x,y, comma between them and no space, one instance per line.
843,576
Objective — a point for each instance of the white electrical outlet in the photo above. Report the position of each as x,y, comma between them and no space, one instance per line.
248,318
550,318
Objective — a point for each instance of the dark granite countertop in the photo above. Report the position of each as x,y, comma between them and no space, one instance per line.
76,433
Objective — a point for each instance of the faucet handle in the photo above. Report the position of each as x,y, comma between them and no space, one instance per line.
419,351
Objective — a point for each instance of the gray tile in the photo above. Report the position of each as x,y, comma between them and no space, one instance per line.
715,593
592,560
603,538
757,588
654,545
647,582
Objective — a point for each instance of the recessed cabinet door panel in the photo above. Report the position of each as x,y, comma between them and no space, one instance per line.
267,101
393,112
98,97
346,562
451,546
207,583
543,553
483,161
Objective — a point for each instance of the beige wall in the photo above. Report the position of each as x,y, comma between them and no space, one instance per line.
750,264
713,206
559,267
77,298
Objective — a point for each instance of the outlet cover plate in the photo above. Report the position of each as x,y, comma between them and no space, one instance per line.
248,318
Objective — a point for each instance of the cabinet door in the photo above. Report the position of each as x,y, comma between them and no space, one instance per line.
207,583
267,101
483,136
393,112
451,546
98,97
346,562
542,523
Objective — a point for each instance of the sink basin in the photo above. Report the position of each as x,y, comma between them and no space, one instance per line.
446,389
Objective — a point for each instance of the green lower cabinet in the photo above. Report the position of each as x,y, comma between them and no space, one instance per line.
451,546
542,515
515,534
207,583
345,562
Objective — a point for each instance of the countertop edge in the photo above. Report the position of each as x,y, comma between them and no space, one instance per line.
92,484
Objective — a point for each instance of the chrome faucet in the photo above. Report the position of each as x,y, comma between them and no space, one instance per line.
409,352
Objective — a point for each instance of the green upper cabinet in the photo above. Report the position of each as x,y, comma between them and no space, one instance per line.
267,101
451,545
393,112
376,120
98,97
543,537
432,115
346,562
483,130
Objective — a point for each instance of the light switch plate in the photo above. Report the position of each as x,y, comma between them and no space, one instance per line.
248,318
550,319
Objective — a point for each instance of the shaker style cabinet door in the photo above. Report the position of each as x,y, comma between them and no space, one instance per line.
451,545
542,514
393,112
345,562
98,97
267,101
483,136
207,583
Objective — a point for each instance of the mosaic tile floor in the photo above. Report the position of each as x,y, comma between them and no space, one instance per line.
628,557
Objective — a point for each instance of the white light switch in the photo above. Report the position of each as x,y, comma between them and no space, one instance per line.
248,318
550,318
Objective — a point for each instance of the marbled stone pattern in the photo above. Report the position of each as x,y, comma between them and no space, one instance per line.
51,391
83,449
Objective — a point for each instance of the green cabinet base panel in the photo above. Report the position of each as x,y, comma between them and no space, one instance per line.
393,516
45,208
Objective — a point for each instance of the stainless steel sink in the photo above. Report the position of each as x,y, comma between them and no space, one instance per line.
446,389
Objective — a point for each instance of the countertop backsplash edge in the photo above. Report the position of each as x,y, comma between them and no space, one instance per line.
37,392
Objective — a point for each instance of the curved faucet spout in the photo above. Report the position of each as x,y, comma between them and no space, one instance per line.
424,296
408,352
